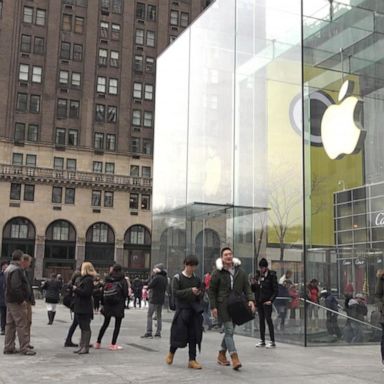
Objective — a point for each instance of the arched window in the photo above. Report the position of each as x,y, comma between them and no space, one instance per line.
137,234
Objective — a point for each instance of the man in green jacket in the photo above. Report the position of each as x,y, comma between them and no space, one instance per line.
227,277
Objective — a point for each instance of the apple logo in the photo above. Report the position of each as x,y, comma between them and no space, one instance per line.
341,131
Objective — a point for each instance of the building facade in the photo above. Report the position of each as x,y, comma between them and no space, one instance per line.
77,83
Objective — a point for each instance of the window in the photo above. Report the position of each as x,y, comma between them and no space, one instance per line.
28,15
112,114
145,202
110,144
67,22
79,24
39,46
23,72
105,4
149,64
19,231
22,102
99,141
69,196
60,136
76,79
115,35
25,43
71,165
19,132
114,59
100,233
146,171
113,87
63,77
184,19
101,84
134,201
140,11
135,145
147,147
72,137
135,169
116,6
139,37
110,168
15,193
17,159
60,231
137,90
136,117
34,104
74,109
65,51
108,199
30,160
37,74
151,12
150,39
148,119
96,199
29,192
40,17
32,132
97,167
148,93
62,106
174,20
104,27
58,163
103,57
77,52
100,112
138,64
56,195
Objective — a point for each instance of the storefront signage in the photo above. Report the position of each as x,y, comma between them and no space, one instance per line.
379,219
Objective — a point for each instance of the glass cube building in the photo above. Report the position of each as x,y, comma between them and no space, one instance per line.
269,139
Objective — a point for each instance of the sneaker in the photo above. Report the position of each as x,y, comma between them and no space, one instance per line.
28,352
97,345
115,347
147,336
272,344
261,344
158,335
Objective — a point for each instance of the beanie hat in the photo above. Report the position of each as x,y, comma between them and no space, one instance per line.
263,263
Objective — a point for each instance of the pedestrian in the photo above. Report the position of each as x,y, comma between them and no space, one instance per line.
83,305
115,292
286,276
229,276
3,308
313,309
145,295
157,287
281,304
137,287
206,307
52,290
357,309
332,304
97,293
27,268
187,323
16,295
268,292
75,280
379,297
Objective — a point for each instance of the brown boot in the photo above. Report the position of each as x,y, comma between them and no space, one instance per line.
222,359
169,358
194,364
235,361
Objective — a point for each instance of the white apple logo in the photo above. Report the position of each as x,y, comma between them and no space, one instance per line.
341,132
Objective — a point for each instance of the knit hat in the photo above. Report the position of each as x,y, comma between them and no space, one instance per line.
263,263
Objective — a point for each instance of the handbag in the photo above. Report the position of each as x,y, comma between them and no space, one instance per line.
238,308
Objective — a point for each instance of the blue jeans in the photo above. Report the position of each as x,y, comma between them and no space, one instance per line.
228,344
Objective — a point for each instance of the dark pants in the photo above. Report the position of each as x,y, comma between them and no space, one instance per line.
96,302
137,298
3,317
107,320
332,326
72,328
382,343
84,321
265,315
191,341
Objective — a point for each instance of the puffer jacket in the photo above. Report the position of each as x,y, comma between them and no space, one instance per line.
379,296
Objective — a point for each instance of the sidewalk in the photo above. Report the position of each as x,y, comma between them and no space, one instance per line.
142,360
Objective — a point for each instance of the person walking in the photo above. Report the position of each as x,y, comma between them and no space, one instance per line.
3,307
379,297
52,290
157,287
83,305
16,295
229,276
75,279
187,323
115,292
27,268
332,304
268,292
281,304
137,287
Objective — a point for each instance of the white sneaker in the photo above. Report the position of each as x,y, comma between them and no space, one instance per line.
260,344
272,344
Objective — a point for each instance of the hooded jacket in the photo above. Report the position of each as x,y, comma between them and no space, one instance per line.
220,287
116,310
158,286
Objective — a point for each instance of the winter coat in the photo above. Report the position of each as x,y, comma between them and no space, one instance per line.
158,286
379,296
283,297
52,291
116,310
17,287
137,287
269,288
83,301
220,287
2,289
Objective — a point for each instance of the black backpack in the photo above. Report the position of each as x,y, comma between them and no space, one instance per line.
112,292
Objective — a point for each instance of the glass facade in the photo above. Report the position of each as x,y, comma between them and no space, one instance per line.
268,140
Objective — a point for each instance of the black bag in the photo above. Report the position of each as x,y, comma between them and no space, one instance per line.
68,299
112,293
172,298
238,308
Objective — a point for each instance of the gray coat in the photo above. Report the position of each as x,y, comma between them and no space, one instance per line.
379,295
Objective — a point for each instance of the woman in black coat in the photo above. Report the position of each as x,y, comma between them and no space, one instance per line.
115,292
83,305
52,290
